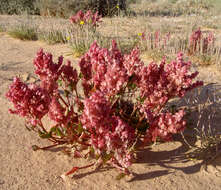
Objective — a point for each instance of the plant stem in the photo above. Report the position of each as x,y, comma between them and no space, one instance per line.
63,100
50,146
74,169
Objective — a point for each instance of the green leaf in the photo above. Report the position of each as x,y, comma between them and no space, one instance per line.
35,147
71,86
141,100
44,135
92,150
120,176
97,156
59,82
57,131
80,128
133,86
106,157
53,129
66,93
80,75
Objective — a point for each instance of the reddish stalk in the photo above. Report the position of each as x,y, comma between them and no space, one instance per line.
74,169
50,146
63,100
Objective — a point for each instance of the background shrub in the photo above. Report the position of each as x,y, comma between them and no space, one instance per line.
23,32
174,7
65,8
62,8
18,7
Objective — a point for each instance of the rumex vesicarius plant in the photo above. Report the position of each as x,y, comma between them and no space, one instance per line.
122,106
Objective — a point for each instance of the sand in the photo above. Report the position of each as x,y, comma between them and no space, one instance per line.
161,167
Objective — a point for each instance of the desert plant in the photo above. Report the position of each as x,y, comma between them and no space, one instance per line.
174,7
87,18
52,36
200,43
200,46
23,32
69,7
80,41
121,108
18,7
2,28
205,105
83,32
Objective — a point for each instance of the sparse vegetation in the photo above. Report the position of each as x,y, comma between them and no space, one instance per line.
204,113
173,7
23,32
52,36
67,8
18,7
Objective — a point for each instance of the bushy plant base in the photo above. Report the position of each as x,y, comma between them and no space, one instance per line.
122,106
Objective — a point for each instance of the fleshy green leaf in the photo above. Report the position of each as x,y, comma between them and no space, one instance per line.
106,157
44,135
35,147
80,75
120,176
66,93
57,131
80,128
59,82
141,100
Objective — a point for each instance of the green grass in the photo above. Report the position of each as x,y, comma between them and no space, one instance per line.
2,28
217,5
52,37
23,33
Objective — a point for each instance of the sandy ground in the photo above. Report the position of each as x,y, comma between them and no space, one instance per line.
162,167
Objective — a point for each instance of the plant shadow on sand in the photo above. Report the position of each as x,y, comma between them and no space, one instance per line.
203,123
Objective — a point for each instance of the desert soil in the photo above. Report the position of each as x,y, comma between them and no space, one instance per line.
161,167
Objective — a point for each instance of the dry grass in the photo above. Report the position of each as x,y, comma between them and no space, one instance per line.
203,134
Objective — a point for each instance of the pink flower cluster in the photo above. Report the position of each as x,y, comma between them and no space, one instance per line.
29,101
35,101
108,133
107,122
104,69
69,75
164,125
47,70
86,18
158,84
